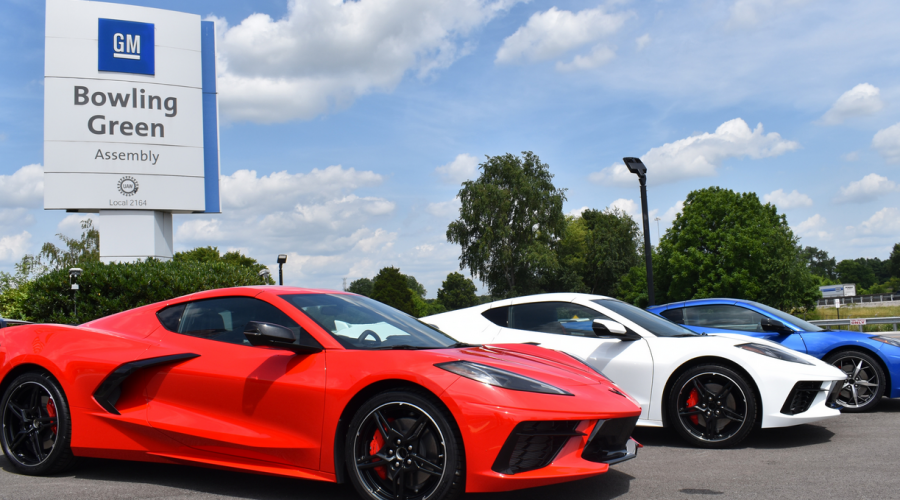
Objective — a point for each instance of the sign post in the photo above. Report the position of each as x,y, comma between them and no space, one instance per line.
130,121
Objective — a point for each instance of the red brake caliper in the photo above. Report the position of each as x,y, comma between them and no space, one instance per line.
693,399
374,447
51,412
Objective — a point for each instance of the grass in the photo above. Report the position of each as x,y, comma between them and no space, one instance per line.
855,312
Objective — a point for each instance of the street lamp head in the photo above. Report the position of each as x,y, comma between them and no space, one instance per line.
264,274
635,166
75,272
282,258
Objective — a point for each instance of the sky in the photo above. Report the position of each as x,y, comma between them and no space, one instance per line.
347,127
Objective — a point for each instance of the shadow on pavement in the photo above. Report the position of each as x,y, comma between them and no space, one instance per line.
887,406
783,437
610,485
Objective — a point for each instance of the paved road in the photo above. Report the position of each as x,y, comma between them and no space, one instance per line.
852,456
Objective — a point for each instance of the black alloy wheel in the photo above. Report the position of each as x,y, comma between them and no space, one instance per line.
37,426
403,445
712,406
865,382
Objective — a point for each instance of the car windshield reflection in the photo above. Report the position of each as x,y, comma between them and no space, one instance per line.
362,323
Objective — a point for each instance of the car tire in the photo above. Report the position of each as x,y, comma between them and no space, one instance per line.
712,406
37,426
866,380
405,444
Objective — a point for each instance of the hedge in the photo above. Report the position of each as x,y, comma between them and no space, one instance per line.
111,288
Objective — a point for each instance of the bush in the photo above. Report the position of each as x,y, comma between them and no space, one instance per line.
111,288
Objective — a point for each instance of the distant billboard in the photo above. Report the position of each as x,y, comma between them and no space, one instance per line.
130,109
831,291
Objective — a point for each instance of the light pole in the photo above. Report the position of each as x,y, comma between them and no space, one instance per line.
264,275
636,167
74,273
282,258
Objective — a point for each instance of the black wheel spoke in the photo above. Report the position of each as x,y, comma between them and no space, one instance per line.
712,425
47,420
400,484
689,412
36,446
368,464
35,400
16,410
733,415
416,429
725,390
704,392
428,467
20,437
383,426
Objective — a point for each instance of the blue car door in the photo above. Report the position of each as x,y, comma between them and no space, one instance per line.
733,318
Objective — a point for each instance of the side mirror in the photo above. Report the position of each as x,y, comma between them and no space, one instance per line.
271,335
773,325
609,328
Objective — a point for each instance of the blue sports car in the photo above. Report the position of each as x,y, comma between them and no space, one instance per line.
871,361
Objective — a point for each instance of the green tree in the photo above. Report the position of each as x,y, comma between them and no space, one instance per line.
75,252
210,254
613,247
726,244
416,287
894,260
571,250
392,288
457,292
509,219
362,286
854,271
633,287
818,262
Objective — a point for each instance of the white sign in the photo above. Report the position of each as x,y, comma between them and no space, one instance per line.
858,321
837,303
130,110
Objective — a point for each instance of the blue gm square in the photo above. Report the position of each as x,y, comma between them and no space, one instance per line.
126,47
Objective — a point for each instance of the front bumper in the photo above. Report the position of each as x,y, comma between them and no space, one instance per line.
803,403
511,445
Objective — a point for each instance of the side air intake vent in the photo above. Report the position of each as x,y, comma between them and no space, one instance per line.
533,445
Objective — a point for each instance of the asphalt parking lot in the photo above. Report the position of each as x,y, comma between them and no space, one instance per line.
852,456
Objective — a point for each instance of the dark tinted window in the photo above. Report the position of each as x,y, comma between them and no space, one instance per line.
563,318
362,323
498,316
674,315
723,316
224,319
170,317
647,320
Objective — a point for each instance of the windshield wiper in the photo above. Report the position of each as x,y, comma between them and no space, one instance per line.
686,335
459,345
399,347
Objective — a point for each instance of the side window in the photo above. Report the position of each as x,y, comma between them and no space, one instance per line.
170,317
723,316
498,316
224,319
674,315
562,318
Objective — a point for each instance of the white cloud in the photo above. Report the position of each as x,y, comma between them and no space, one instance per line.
864,99
885,222
867,188
785,201
24,188
700,155
746,13
576,212
462,168
887,142
445,208
15,217
323,54
597,57
851,156
813,227
201,230
71,224
13,248
281,190
632,208
672,212
642,41
550,34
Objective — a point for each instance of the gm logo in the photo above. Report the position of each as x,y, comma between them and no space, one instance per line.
125,47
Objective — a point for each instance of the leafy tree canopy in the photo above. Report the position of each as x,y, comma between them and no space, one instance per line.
391,287
613,247
210,254
854,271
508,220
894,260
415,286
457,292
362,286
727,244
818,262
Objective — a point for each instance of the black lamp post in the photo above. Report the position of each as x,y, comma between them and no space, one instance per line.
282,258
636,167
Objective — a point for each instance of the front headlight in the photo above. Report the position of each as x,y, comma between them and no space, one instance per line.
772,353
500,378
894,341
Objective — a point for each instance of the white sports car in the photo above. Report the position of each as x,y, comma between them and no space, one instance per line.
712,389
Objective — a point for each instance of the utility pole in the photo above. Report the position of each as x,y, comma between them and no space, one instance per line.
636,167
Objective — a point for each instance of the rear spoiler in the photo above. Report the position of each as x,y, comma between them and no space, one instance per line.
4,323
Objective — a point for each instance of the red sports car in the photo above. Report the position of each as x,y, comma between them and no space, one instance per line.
310,384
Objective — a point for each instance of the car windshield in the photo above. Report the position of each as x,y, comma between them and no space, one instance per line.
362,323
783,316
654,324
